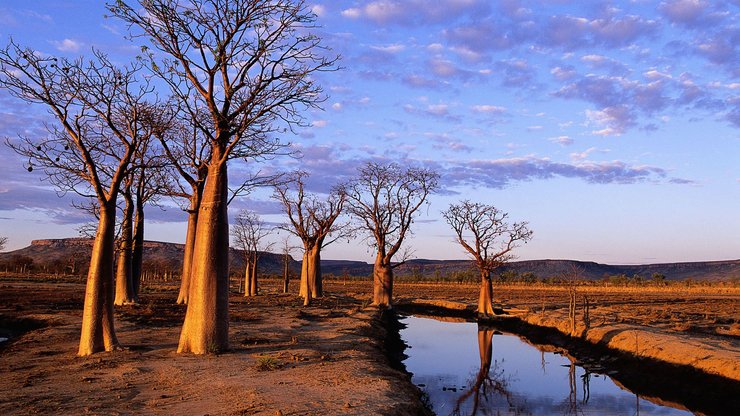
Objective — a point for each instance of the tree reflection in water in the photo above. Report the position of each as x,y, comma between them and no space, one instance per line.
489,382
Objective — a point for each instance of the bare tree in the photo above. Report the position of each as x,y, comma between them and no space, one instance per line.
287,248
4,241
312,220
385,199
98,109
483,232
250,65
249,234
124,277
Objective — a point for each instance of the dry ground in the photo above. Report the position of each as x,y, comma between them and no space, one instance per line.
285,359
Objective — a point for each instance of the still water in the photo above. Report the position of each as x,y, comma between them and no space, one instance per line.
465,369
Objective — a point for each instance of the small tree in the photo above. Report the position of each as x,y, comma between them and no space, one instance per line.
483,232
384,199
3,242
249,233
311,220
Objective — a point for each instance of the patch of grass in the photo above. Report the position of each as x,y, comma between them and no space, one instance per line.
268,364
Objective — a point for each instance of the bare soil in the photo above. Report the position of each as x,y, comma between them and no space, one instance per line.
286,359
328,358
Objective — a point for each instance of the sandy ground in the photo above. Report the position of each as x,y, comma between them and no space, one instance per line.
328,358
285,359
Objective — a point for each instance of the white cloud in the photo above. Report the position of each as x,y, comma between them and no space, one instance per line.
352,13
392,48
318,10
67,45
488,109
562,140
319,123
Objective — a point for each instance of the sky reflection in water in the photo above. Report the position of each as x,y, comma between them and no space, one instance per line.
445,360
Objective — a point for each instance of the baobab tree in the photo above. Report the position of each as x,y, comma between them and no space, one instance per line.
250,65
188,150
99,110
483,232
249,234
124,277
148,178
384,200
312,220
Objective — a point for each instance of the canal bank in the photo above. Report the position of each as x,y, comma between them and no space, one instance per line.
679,385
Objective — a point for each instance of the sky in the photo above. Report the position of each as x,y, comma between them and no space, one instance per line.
611,127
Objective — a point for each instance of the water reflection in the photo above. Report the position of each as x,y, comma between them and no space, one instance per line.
502,374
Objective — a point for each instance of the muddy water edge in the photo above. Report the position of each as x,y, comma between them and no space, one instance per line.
679,386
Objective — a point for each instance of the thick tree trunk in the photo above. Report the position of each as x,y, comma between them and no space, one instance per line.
98,332
137,255
124,278
187,259
286,273
382,283
206,326
253,288
315,277
485,300
248,276
311,286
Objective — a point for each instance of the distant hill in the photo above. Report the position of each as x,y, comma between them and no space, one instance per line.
72,254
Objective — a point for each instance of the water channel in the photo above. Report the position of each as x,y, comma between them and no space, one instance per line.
466,369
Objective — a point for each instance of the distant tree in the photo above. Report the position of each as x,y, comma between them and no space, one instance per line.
3,242
249,233
287,248
250,66
384,200
100,113
658,278
483,232
312,220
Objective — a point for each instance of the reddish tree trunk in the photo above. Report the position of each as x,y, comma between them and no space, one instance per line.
124,277
206,326
187,260
98,332
137,255
248,276
382,283
253,288
286,273
311,285
485,300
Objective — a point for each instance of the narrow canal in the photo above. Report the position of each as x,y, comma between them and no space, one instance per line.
467,369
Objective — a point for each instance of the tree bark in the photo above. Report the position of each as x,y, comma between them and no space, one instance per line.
187,260
382,283
137,255
206,326
253,288
124,278
98,332
311,273
248,277
485,300
286,273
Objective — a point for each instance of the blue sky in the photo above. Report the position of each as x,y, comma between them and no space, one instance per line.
612,127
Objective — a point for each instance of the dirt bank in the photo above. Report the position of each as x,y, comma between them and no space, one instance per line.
285,359
713,355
